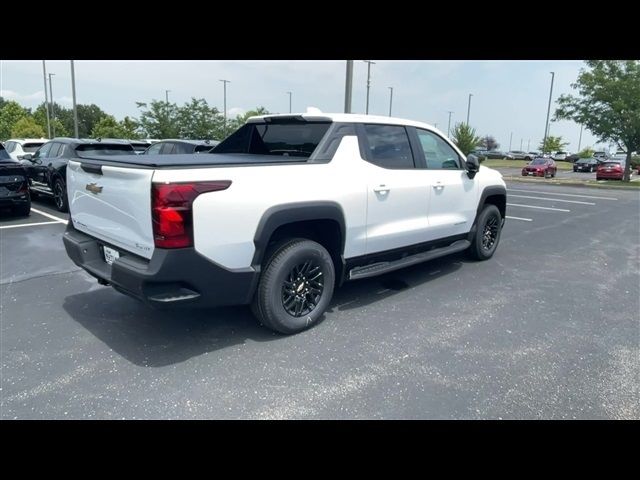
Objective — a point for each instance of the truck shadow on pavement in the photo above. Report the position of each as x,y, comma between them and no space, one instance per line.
155,338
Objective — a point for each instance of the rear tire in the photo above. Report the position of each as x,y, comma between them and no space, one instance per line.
487,236
60,196
24,210
295,288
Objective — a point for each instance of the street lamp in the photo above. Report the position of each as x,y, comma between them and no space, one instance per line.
546,124
390,99
46,98
348,87
73,93
369,63
580,139
289,101
510,139
469,108
166,106
449,126
224,128
53,113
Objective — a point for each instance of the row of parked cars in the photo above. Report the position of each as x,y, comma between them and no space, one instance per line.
30,167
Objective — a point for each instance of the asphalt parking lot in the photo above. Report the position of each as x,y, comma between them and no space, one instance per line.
548,328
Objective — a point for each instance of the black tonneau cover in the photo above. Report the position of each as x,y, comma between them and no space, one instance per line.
190,160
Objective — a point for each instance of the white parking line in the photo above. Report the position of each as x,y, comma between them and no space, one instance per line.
539,208
27,225
48,215
554,199
561,194
519,218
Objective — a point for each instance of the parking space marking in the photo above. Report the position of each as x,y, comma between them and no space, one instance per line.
48,215
519,218
554,199
539,208
27,225
561,194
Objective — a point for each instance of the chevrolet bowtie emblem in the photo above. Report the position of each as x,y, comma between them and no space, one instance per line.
93,188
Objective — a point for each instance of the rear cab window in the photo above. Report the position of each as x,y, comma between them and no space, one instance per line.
88,150
290,137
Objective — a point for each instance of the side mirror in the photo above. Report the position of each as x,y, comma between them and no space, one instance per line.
26,156
473,165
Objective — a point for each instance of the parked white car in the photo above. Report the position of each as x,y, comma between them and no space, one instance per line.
17,147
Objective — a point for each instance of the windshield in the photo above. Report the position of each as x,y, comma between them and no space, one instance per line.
539,161
296,139
3,154
104,149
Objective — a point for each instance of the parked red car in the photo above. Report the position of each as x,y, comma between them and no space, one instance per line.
610,170
540,167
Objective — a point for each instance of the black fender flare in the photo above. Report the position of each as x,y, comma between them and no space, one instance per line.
286,213
489,191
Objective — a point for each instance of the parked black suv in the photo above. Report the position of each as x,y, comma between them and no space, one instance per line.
168,147
47,167
14,186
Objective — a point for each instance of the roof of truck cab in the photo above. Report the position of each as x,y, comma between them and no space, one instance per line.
343,117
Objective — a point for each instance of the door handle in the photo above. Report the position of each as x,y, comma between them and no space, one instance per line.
438,186
381,189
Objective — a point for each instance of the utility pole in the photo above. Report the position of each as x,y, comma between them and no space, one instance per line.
580,140
348,87
449,126
73,93
369,63
546,125
469,108
53,111
521,143
390,100
224,128
510,139
289,101
46,98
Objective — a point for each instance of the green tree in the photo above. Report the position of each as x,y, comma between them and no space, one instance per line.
27,127
88,117
131,128
108,127
198,121
10,113
553,144
586,152
465,138
607,104
159,119
59,129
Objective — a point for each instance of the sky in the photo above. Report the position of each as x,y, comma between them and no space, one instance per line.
509,99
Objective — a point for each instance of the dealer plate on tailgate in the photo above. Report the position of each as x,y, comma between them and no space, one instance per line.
110,255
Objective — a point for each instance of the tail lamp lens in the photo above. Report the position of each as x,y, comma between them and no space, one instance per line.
172,211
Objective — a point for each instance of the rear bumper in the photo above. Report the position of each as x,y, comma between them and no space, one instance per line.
18,200
171,277
609,175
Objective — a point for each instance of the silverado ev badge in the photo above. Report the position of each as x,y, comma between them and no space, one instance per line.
93,188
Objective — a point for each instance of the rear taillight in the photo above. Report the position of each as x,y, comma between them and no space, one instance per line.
171,211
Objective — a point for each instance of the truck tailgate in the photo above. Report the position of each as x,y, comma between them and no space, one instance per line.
112,204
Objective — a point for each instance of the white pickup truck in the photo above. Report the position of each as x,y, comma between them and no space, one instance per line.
285,209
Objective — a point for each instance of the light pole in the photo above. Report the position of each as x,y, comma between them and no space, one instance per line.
580,139
224,127
289,101
368,62
53,112
521,140
449,126
348,87
469,108
166,107
46,98
510,139
390,99
73,93
546,124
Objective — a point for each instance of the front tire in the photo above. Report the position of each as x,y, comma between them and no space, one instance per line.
295,287
487,236
60,196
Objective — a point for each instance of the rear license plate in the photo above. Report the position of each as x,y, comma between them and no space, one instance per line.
110,255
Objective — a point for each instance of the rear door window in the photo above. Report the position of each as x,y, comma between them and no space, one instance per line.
388,146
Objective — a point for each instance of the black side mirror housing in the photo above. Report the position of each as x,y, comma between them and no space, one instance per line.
473,165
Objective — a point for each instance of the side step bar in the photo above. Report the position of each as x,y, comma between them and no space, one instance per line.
384,267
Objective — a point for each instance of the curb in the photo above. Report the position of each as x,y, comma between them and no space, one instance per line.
570,183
